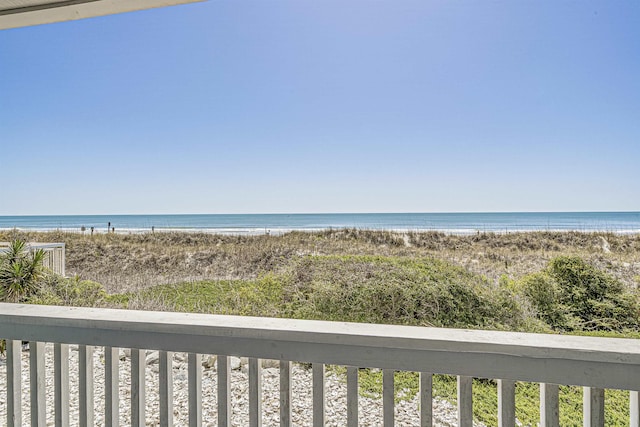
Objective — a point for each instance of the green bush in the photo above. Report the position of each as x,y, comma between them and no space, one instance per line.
571,294
398,291
544,294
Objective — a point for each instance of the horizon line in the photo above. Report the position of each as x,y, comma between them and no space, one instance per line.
330,213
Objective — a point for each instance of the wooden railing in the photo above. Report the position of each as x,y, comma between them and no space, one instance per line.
54,255
593,363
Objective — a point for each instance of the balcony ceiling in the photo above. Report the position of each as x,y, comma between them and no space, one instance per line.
23,13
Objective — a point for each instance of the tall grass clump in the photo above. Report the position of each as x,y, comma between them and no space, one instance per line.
73,291
260,297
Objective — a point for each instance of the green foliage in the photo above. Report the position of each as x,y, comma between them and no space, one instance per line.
261,297
397,291
349,288
573,295
21,270
543,292
74,291
485,402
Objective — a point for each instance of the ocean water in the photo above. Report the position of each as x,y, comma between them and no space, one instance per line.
458,223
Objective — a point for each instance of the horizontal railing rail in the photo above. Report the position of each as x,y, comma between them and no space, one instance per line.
594,363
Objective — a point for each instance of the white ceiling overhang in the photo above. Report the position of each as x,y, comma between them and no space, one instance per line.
23,13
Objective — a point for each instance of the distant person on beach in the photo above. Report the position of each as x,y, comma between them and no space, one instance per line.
153,229
113,229
92,231
108,226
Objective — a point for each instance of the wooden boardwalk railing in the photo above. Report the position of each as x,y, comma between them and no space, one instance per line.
54,255
593,363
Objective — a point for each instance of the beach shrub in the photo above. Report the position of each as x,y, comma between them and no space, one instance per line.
544,294
571,294
21,271
390,290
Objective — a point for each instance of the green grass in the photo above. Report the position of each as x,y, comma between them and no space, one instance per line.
261,297
485,402
485,397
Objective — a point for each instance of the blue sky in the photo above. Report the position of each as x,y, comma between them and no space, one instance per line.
325,106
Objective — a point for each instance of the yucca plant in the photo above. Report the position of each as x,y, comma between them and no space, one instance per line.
21,270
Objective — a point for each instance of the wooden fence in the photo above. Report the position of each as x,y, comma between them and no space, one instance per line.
593,363
54,258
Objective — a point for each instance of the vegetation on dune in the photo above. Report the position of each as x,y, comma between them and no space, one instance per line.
577,283
568,295
260,297
129,263
421,291
351,288
572,295
73,291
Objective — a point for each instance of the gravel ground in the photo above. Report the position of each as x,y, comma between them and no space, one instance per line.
370,410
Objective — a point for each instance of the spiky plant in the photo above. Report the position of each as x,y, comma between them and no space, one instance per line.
20,271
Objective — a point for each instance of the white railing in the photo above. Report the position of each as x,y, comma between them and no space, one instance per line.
54,254
594,363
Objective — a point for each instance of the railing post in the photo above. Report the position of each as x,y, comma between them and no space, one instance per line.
38,384
593,407
138,364
318,394
465,401
14,383
195,390
506,403
388,404
285,393
61,384
549,413
166,388
63,261
85,380
426,399
255,393
224,391
352,396
634,409
111,386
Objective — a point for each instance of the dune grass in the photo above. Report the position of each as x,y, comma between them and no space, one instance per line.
128,263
